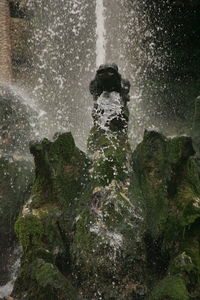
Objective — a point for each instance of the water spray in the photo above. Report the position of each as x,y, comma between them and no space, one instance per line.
100,33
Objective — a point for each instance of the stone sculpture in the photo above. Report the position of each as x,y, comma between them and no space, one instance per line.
111,94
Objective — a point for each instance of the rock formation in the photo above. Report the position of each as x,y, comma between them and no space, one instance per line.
111,224
16,175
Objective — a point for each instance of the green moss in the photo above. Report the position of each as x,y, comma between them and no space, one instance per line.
29,230
45,255
111,154
42,280
109,168
61,171
161,167
178,149
192,173
100,139
63,146
152,172
192,249
47,276
15,185
181,264
171,287
93,228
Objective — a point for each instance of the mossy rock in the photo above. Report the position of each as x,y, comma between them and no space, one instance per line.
117,224
45,262
61,171
42,280
110,153
15,184
159,164
166,185
45,226
105,247
104,238
16,176
172,288
152,171
29,230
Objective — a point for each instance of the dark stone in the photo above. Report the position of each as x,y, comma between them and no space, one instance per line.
117,225
45,228
16,172
106,82
15,184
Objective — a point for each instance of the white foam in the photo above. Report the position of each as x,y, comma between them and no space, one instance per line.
109,106
6,289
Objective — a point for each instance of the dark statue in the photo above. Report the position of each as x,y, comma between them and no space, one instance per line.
110,93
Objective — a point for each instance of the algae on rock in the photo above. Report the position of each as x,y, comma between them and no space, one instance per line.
46,223
16,177
168,175
16,173
117,225
107,241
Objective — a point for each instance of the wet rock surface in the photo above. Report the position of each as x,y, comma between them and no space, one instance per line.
128,230
113,223
110,94
15,184
16,175
46,225
167,174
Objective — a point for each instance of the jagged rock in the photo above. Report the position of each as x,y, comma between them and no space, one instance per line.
107,244
15,183
16,175
158,163
130,232
119,225
166,184
110,153
16,172
46,224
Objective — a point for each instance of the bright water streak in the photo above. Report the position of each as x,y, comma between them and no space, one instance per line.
100,33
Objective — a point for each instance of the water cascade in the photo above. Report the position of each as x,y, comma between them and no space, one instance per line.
100,33
118,218
5,44
62,47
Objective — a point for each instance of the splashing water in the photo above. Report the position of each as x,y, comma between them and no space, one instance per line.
62,46
6,289
67,39
109,107
100,33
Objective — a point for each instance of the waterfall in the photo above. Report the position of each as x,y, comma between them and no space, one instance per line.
8,287
100,33
62,48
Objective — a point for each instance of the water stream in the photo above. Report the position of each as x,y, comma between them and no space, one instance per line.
69,39
68,42
100,33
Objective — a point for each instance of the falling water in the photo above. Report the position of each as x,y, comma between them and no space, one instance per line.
62,48
64,51
100,33
8,287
